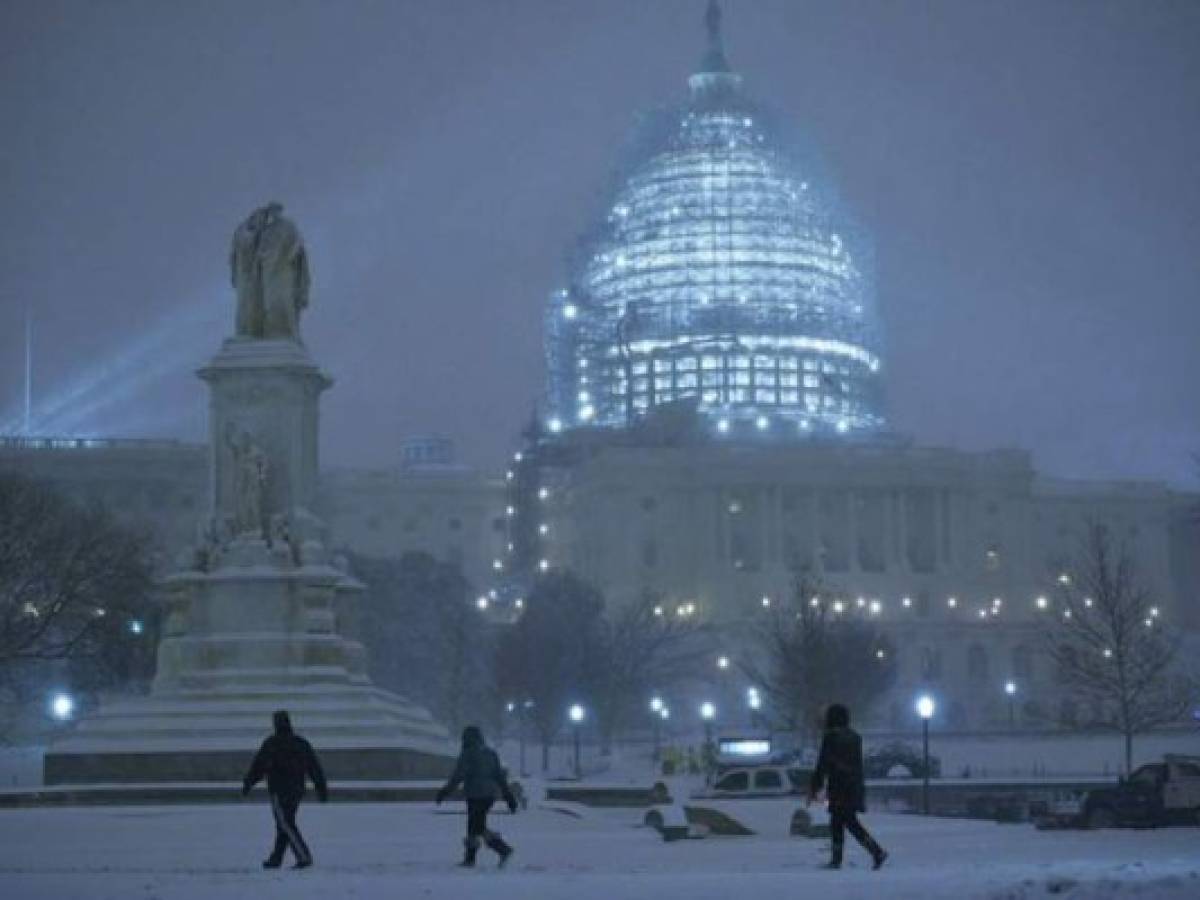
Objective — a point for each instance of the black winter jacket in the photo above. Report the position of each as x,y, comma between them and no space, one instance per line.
840,765
479,771
286,759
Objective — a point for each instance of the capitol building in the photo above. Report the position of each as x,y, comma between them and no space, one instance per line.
714,420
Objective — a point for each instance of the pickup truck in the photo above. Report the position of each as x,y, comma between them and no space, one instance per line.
1162,793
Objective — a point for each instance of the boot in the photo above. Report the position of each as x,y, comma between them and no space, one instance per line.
470,848
835,856
272,863
878,854
499,846
879,858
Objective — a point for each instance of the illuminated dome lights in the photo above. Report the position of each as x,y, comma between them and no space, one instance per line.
723,273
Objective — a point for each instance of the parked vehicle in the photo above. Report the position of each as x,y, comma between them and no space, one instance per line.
1163,793
741,782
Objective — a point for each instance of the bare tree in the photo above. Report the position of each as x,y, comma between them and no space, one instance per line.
1112,648
548,656
816,649
425,639
67,574
642,647
75,599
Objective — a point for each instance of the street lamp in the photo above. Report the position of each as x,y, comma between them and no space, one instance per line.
925,709
576,714
62,706
1010,688
656,710
708,712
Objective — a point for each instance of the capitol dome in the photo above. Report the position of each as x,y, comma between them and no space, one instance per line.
722,272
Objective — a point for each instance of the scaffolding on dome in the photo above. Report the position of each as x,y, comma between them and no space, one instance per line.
725,273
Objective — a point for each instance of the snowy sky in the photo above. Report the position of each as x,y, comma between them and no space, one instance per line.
1030,172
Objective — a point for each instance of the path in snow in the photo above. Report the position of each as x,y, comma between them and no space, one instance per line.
380,850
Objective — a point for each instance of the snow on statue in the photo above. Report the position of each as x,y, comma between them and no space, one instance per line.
249,480
269,270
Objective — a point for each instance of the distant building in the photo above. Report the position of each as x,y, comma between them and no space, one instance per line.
714,422
158,485
427,503
951,553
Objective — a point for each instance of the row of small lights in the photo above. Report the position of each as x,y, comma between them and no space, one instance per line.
707,709
576,712
135,626
875,607
761,423
483,602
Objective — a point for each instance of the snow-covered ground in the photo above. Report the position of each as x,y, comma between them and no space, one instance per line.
409,850
21,766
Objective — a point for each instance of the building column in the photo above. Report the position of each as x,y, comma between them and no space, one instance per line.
852,531
891,532
936,503
948,522
812,501
772,528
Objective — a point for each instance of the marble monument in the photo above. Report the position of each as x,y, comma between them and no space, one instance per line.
260,617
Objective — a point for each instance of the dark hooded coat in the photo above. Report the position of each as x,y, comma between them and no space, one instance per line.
286,759
478,770
840,765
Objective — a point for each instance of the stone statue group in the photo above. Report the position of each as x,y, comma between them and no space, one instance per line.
269,269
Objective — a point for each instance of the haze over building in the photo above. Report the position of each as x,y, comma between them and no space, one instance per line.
715,425
714,421
723,271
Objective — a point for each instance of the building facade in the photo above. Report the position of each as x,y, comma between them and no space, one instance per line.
427,503
715,423
954,555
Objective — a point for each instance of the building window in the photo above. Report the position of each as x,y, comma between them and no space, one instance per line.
977,664
931,664
1022,663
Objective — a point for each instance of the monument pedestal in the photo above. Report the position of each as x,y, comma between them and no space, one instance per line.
260,619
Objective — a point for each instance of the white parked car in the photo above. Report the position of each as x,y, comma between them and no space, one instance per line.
739,782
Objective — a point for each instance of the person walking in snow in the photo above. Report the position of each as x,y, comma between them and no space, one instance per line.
285,759
484,780
840,770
